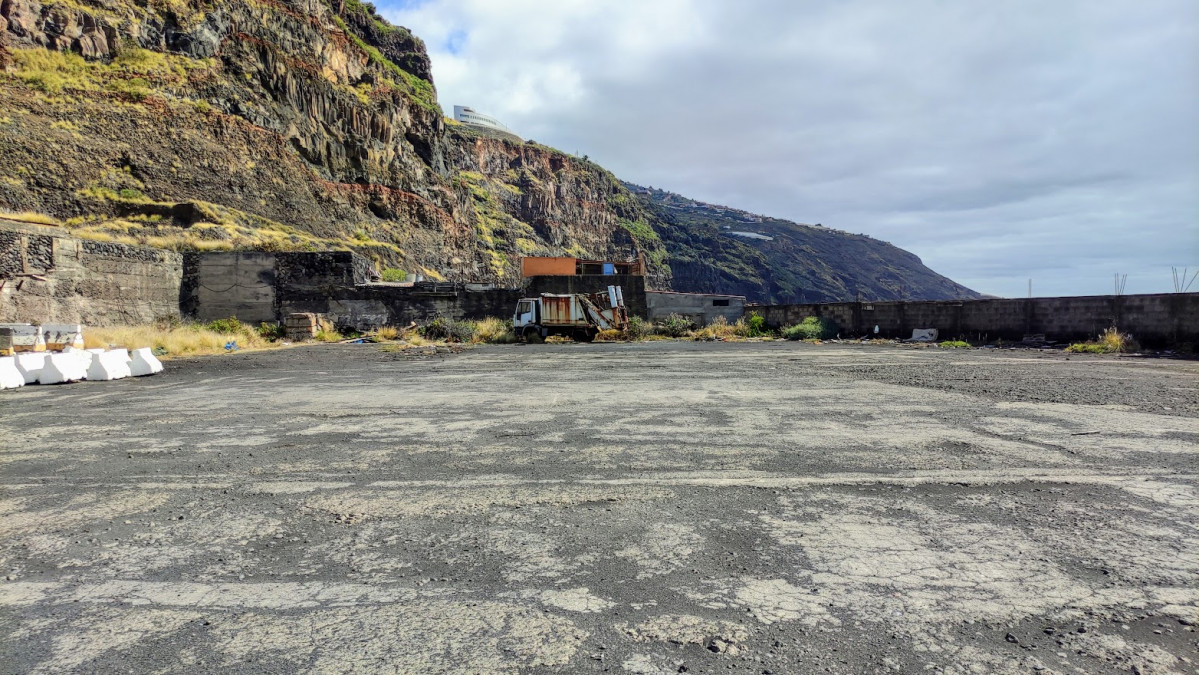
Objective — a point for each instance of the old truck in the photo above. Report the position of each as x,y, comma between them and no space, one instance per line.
578,315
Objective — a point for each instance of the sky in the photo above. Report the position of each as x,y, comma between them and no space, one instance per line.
999,140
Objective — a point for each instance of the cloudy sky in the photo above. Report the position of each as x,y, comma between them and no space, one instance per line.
998,140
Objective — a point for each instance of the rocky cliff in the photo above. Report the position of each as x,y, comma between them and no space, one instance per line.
314,124
717,249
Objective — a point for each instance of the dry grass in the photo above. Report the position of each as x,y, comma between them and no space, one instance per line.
31,217
386,334
183,340
493,331
327,332
719,329
611,336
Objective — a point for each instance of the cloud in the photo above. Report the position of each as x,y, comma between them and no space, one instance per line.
997,140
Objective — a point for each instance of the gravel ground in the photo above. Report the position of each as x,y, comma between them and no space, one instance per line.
649,508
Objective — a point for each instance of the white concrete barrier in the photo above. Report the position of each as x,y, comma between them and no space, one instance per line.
62,368
10,377
30,365
144,363
108,366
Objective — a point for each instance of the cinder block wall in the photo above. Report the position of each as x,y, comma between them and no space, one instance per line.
47,276
1159,319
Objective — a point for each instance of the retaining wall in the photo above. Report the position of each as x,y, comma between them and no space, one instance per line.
1159,319
47,276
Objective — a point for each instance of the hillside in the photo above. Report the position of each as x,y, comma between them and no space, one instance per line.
274,124
717,249
314,124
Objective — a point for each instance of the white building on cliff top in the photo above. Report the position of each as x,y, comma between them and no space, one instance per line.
468,115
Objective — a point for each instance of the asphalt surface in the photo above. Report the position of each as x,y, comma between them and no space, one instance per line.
647,508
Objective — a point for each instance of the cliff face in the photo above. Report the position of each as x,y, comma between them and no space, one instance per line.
313,124
269,124
717,249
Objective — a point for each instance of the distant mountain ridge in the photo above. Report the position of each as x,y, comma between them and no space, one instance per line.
720,249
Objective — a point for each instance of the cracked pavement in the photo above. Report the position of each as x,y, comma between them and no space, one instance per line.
628,508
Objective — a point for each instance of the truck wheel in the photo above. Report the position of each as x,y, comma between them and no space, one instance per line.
586,335
533,336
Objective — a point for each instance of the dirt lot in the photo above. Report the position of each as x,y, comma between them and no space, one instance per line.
649,508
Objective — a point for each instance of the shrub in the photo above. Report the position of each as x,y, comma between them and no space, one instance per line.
675,326
812,328
269,330
392,275
955,344
753,325
230,325
1086,348
449,330
639,328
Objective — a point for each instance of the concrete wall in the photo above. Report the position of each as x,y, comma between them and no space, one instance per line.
631,286
269,286
1152,319
373,305
47,276
701,308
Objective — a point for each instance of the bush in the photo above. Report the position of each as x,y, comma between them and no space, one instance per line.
230,325
753,325
270,331
639,328
449,330
812,328
675,326
1086,348
955,344
393,275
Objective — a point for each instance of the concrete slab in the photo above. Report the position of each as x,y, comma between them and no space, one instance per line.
638,508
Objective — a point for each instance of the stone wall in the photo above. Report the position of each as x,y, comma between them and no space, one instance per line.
1161,319
47,276
701,308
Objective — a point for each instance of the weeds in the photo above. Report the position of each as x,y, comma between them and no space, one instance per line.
1112,341
493,331
386,334
674,326
639,328
812,328
719,329
955,344
327,332
393,275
